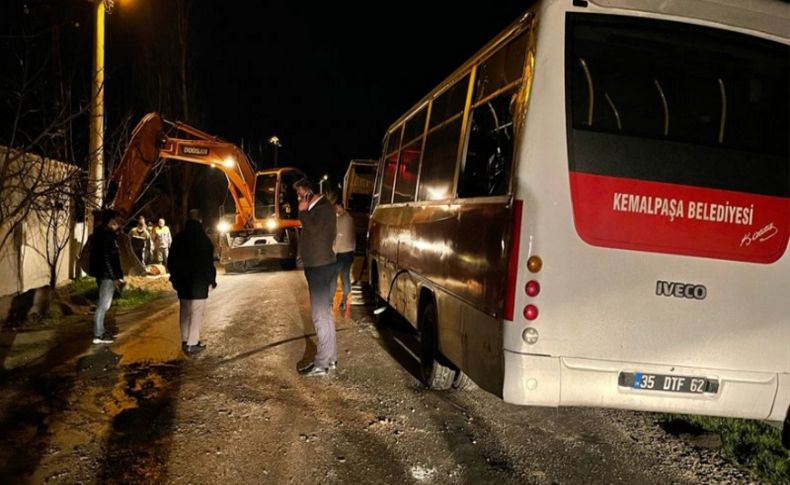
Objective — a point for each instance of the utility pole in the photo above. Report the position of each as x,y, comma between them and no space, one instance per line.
96,147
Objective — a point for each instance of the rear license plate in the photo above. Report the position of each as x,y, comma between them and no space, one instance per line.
661,382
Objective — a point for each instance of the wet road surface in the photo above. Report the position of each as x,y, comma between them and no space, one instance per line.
140,412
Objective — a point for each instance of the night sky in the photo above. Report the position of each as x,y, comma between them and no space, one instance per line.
327,78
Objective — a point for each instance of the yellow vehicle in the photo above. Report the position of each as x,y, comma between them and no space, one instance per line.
358,186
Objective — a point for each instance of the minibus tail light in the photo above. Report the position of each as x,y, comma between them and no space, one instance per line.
530,312
534,264
533,288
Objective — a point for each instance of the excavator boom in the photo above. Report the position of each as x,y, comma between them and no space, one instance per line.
246,240
155,138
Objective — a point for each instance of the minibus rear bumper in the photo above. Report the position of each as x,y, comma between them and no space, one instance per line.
566,381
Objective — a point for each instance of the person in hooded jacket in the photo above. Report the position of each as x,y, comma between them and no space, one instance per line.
192,272
105,266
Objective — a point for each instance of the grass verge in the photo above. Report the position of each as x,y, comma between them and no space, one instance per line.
126,299
754,445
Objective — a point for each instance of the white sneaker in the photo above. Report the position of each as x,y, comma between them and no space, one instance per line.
104,339
314,371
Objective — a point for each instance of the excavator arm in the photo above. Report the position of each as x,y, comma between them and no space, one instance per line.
155,138
248,240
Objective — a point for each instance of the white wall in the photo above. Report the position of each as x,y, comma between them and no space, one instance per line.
23,258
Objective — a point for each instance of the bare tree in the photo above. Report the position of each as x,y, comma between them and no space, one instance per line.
166,82
31,183
53,218
39,175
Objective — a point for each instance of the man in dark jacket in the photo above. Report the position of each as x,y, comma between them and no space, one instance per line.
315,248
105,266
192,272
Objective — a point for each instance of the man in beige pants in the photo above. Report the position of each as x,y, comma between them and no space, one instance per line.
192,272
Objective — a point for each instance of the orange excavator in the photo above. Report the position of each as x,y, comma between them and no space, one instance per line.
265,225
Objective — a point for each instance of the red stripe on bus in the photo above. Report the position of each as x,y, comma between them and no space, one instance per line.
513,262
660,217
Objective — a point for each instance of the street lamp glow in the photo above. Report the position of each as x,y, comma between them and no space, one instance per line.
275,142
321,183
229,162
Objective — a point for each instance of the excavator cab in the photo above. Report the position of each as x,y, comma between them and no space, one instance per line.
275,233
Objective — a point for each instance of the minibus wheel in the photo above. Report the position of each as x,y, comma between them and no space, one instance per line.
462,382
434,374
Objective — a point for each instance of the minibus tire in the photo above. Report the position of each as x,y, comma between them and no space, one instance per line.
462,382
434,374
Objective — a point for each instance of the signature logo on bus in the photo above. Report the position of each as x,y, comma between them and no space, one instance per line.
761,235
681,290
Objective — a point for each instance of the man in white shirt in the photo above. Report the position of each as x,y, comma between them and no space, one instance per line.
345,242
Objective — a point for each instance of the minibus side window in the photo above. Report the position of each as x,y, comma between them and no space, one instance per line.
406,182
438,170
489,156
379,173
390,165
501,69
441,144
485,171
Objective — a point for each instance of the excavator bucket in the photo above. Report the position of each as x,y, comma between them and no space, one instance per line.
130,263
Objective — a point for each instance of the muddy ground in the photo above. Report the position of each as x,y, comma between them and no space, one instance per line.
138,411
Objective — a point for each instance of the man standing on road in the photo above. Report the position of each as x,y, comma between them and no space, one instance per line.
140,237
162,242
105,266
315,248
192,272
345,242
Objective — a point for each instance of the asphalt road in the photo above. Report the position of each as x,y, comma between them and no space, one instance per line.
139,412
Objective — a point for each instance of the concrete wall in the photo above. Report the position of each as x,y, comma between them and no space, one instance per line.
24,257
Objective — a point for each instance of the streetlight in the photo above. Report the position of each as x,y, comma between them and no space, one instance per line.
321,183
276,142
